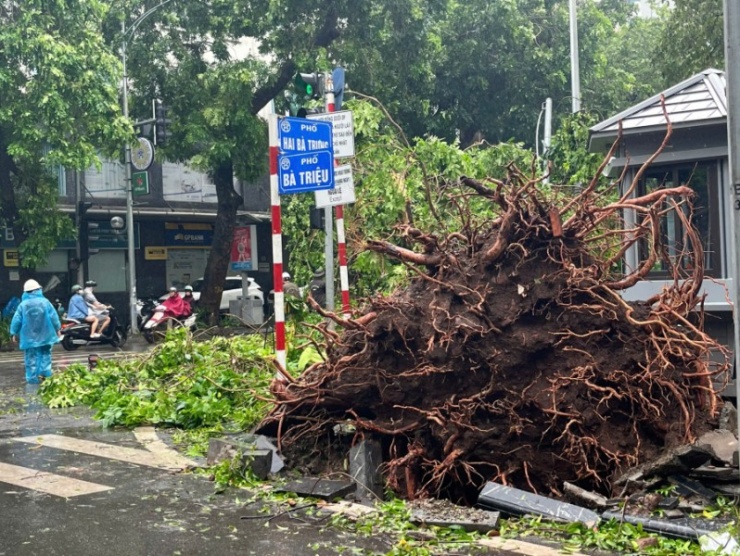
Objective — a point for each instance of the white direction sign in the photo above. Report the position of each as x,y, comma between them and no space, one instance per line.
343,192
343,131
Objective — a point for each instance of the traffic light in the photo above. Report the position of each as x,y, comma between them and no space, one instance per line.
311,85
161,123
303,112
316,218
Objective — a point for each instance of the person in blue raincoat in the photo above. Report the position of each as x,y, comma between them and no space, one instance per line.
36,324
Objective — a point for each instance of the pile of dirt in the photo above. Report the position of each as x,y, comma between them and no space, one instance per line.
511,356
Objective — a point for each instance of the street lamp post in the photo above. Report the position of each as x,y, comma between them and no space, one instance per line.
127,35
575,75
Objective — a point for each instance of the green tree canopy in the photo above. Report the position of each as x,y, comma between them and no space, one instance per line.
482,70
58,85
692,39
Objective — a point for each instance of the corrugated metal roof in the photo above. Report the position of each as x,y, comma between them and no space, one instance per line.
697,99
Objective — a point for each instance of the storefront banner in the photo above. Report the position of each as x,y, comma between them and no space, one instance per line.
188,235
244,249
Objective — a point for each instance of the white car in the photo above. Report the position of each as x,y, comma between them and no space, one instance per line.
232,291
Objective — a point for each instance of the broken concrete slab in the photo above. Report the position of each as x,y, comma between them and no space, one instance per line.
259,442
712,473
587,498
258,461
519,502
723,543
324,489
668,503
693,504
728,489
442,513
348,509
673,514
685,486
679,460
721,444
365,459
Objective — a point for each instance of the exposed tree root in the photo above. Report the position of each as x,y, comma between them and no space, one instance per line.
512,356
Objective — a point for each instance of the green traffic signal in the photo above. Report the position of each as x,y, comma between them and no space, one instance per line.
310,84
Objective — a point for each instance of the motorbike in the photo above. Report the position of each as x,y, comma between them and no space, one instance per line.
158,322
76,333
144,310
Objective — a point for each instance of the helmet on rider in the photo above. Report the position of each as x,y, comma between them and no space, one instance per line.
189,289
173,289
76,288
31,285
91,284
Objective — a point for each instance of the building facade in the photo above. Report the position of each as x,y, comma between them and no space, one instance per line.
695,155
174,214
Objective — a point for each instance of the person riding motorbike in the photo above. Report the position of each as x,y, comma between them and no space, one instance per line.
79,310
175,306
97,309
189,300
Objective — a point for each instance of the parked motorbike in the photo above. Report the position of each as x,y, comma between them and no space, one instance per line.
159,322
76,333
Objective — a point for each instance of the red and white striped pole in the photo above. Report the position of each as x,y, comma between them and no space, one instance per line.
277,248
339,217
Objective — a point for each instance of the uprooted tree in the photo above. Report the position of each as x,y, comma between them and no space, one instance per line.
512,356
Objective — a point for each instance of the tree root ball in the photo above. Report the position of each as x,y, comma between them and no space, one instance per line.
511,356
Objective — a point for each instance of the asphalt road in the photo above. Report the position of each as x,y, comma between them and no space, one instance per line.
68,487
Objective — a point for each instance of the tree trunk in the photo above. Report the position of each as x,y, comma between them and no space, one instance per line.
220,255
8,206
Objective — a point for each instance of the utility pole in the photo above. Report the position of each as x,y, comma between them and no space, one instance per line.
732,77
575,76
129,197
128,34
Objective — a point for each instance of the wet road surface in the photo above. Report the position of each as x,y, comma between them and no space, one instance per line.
68,487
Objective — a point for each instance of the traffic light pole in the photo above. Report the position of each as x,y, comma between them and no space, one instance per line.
328,223
339,213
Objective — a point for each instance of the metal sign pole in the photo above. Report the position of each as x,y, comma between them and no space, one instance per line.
339,212
277,249
732,75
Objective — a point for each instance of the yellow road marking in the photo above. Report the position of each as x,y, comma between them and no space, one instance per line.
49,483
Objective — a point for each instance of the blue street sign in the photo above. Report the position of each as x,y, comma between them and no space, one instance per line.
300,173
305,157
299,135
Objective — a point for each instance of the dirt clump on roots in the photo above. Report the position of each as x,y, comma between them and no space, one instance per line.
511,356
